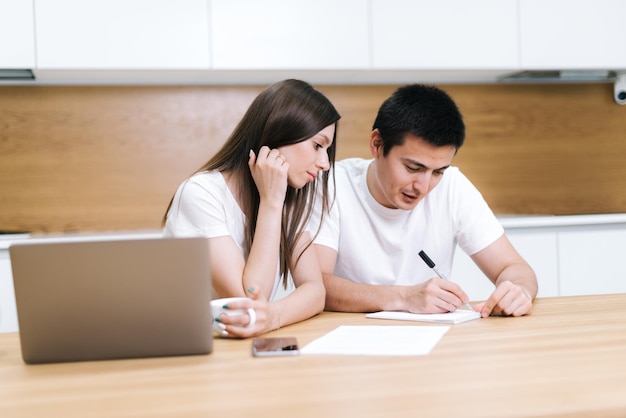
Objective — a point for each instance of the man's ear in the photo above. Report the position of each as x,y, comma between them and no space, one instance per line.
376,144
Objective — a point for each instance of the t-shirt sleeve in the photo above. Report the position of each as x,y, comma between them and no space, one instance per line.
477,226
197,210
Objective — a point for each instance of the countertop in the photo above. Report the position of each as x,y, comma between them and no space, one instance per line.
547,221
509,222
10,239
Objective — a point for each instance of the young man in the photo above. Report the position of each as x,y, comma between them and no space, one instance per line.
408,199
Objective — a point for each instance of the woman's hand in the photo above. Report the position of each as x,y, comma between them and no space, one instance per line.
267,317
269,171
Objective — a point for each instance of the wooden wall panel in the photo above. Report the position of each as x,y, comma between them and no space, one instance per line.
109,158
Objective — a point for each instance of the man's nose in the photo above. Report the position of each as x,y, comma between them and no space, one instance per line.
421,183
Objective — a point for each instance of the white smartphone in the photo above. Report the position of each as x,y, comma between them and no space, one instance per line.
268,347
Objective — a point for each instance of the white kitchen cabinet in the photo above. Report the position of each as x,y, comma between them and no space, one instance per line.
122,34
288,35
571,255
445,34
593,261
539,249
572,34
467,275
8,314
17,34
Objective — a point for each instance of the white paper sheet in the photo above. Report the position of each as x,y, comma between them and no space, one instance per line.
380,340
455,317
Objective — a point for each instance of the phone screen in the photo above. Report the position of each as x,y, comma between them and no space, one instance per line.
282,346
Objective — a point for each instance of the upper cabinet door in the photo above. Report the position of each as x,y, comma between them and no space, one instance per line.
287,35
17,34
573,34
122,34
445,34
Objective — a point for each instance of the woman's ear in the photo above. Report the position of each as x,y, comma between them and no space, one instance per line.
376,144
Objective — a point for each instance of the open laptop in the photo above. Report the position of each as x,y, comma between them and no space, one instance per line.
112,299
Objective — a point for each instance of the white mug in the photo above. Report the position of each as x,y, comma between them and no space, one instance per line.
217,308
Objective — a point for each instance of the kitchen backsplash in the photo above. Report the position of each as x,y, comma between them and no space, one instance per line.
109,157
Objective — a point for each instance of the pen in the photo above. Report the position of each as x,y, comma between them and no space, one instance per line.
431,264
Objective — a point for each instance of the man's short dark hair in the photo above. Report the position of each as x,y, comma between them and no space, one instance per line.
424,111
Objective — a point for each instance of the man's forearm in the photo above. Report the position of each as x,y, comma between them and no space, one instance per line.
343,295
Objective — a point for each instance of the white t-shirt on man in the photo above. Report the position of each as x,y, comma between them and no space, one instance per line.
378,245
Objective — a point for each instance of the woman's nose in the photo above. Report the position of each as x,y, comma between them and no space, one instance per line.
323,163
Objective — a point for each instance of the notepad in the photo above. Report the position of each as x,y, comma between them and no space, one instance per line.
381,340
455,317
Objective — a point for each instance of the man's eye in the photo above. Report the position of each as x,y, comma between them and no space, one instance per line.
414,169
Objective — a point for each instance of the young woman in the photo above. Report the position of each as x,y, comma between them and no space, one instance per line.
254,199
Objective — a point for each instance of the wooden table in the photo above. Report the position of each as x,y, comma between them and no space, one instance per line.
567,359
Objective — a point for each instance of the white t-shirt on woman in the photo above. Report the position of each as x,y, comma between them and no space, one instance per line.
204,206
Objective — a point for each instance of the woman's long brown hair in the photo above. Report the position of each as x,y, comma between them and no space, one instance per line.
285,113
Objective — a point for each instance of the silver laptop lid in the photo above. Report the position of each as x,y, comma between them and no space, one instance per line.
96,300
